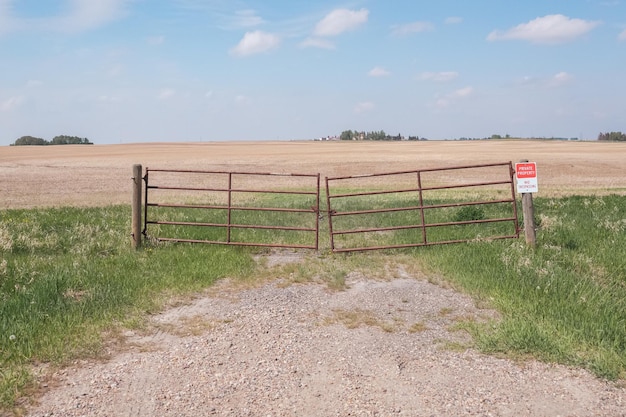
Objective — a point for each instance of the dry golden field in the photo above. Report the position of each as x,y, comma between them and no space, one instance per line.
80,175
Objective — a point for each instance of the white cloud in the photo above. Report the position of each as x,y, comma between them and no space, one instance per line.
156,40
109,99
442,102
242,100
560,79
453,20
166,93
527,80
255,43
115,71
34,83
317,43
81,15
195,5
622,36
11,103
339,21
414,27
438,76
463,92
378,72
364,106
453,97
6,21
555,80
246,19
89,14
551,29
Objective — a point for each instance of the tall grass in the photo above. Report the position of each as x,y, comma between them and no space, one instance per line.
564,301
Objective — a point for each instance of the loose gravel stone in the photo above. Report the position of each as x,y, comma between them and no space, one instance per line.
379,348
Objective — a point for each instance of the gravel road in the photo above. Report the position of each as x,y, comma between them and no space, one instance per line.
378,348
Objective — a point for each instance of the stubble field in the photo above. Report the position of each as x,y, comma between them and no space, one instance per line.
101,174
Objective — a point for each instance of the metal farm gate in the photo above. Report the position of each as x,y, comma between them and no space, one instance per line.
422,207
365,212
232,208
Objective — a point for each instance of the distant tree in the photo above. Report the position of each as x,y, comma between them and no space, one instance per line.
57,140
373,135
347,135
70,140
612,136
496,137
30,141
381,135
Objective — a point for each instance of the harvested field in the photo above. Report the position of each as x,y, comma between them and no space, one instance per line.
82,175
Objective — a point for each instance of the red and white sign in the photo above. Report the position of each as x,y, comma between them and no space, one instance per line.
526,174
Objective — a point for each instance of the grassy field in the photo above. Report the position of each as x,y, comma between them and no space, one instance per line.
69,282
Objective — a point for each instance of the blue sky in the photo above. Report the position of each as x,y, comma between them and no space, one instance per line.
120,71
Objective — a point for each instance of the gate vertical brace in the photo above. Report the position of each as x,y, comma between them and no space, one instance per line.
514,198
422,215
230,200
330,218
136,206
145,204
317,215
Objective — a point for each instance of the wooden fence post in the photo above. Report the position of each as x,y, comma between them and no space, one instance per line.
136,206
528,211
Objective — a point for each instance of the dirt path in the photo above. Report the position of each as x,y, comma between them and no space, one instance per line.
379,348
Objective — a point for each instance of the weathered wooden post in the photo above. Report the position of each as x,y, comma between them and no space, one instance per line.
136,206
529,219
527,184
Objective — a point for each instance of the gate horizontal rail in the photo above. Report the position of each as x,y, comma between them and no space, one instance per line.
205,212
504,183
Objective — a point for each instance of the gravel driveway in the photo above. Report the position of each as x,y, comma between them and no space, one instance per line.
379,348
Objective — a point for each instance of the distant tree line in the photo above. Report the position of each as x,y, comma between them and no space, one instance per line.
507,136
612,136
57,140
374,135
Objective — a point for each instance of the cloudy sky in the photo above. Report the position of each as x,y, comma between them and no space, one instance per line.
120,71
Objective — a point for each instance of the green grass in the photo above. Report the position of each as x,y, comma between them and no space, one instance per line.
68,276
438,221
243,218
565,301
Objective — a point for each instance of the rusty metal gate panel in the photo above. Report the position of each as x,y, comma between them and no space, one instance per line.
422,207
232,208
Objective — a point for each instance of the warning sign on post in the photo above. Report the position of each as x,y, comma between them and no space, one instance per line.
526,173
